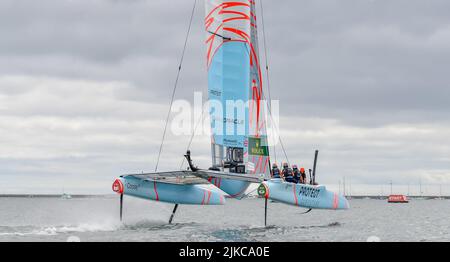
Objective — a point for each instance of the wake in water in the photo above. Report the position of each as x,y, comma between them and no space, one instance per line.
55,230
157,225
141,225
256,233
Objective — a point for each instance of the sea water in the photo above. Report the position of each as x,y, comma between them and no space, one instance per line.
97,219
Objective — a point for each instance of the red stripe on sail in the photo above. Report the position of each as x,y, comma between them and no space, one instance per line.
265,164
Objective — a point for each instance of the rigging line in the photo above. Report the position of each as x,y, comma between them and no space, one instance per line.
223,37
267,66
268,84
200,120
175,85
279,136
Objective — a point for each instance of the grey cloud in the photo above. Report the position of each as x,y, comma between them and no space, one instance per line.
99,30
84,87
362,56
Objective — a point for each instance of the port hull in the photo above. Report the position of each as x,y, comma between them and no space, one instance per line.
169,193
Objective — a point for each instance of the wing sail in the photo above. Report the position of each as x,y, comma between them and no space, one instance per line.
235,91
234,78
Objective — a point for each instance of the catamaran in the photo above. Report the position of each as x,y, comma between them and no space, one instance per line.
239,159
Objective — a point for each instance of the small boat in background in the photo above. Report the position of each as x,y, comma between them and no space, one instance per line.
66,196
398,199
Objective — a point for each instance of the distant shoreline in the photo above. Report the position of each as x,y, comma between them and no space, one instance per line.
111,195
409,197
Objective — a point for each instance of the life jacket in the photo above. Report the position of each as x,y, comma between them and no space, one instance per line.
303,175
288,176
296,176
275,172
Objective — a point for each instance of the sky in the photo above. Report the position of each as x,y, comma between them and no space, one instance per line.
85,87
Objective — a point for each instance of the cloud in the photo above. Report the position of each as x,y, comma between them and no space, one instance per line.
358,58
84,89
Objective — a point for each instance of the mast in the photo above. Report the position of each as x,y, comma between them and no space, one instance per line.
344,187
339,187
349,188
420,187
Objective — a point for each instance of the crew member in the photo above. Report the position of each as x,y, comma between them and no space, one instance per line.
302,176
297,175
287,173
275,171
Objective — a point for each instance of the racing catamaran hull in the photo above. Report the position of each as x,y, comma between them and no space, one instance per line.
301,195
168,193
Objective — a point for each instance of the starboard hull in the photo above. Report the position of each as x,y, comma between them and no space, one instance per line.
301,195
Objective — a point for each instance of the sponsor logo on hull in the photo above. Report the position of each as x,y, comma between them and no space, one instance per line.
117,186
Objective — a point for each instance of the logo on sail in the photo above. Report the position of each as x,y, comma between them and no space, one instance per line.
255,147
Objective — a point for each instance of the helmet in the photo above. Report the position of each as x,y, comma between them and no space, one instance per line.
302,169
274,165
